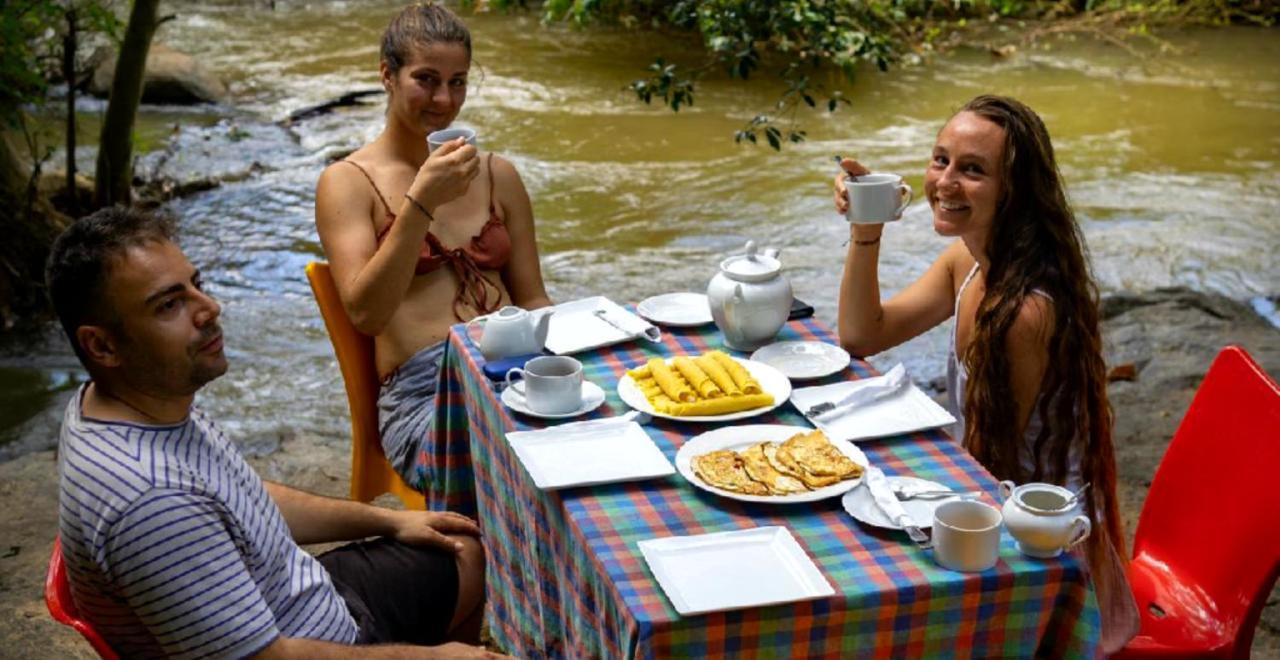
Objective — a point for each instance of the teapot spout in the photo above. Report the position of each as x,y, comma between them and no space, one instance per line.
544,324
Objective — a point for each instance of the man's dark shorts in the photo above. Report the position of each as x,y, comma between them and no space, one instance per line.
397,593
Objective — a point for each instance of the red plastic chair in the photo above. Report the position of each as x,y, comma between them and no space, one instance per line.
1207,549
57,595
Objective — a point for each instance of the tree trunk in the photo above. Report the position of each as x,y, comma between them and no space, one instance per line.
28,230
69,73
114,172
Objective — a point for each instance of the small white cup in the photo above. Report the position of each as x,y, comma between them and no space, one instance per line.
966,535
552,384
876,198
437,138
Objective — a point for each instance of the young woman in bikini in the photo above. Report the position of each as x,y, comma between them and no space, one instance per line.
1025,373
418,242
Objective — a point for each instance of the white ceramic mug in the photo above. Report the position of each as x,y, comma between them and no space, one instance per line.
1036,518
437,138
876,198
551,385
966,535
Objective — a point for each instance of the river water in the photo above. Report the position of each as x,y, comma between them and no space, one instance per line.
1171,164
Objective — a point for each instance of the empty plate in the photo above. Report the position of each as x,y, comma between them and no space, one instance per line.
680,310
802,360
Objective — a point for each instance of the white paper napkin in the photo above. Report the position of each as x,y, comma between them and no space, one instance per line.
630,324
906,411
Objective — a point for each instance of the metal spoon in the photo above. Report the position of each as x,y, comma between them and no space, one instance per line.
1075,497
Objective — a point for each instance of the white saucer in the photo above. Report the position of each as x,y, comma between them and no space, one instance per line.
678,310
859,503
592,397
803,360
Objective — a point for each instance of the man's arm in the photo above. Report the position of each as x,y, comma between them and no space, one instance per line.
317,519
288,648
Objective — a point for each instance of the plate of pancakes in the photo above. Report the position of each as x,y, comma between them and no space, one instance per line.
771,463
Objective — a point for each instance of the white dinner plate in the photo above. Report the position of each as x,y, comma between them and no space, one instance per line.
678,310
738,438
592,397
862,506
771,381
803,360
732,570
594,452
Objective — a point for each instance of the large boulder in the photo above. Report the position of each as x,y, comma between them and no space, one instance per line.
172,77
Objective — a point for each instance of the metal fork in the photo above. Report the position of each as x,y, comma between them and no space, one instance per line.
904,495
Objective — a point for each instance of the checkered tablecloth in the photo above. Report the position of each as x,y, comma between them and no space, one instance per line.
566,578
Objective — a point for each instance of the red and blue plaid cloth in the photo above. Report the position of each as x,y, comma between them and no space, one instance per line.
566,578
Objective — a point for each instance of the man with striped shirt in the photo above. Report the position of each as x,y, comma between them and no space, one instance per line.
173,545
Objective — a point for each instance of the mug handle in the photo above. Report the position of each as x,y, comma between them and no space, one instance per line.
1006,489
466,329
902,187
1080,529
518,387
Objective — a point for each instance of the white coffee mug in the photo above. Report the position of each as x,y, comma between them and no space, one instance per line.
966,535
551,385
876,198
438,138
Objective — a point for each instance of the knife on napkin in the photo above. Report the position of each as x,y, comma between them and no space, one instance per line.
891,383
884,498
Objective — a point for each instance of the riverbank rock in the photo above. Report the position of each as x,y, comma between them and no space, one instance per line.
172,77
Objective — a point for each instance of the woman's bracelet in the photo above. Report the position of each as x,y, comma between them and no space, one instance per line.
430,218
870,241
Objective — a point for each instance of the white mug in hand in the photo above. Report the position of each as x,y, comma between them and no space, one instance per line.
876,198
552,384
437,138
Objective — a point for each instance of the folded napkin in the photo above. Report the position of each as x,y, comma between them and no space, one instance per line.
630,324
871,390
906,410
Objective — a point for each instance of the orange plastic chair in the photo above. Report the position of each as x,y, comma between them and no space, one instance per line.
371,474
1207,549
57,596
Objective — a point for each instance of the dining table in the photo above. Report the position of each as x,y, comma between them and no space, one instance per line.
566,576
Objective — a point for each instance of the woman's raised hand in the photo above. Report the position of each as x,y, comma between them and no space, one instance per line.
848,166
445,174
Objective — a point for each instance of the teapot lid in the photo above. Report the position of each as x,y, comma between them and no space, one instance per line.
751,267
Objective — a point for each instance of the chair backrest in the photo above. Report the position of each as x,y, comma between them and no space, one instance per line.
1211,514
371,475
57,596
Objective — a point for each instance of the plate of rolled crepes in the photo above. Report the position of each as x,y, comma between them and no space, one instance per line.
711,387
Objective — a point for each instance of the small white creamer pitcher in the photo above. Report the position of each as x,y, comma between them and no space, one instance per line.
1036,519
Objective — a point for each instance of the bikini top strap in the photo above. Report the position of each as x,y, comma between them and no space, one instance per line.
365,172
489,165
972,271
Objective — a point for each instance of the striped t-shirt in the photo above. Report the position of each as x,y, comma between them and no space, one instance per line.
174,548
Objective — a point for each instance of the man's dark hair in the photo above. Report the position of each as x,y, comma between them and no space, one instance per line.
81,260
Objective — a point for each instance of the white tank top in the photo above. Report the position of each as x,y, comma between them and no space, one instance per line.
958,380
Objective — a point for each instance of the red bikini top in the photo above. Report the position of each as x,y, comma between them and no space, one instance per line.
490,249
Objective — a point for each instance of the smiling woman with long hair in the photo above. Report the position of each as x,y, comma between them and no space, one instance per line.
1026,379
419,241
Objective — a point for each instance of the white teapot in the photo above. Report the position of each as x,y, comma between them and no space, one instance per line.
1036,519
750,299
513,331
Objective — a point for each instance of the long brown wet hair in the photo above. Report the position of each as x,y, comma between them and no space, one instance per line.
1035,244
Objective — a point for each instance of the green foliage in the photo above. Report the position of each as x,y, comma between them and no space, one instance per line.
801,39
31,33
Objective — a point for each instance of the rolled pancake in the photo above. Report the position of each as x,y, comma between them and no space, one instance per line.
698,379
722,406
717,374
759,469
672,384
741,377
723,469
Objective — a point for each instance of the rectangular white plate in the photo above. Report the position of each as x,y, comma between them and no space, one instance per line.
560,457
906,412
576,326
733,570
